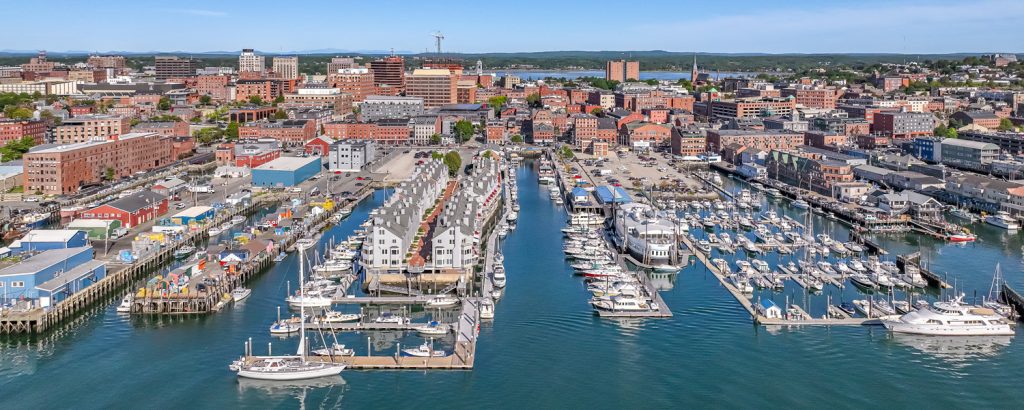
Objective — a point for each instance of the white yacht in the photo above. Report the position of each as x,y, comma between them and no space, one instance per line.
649,237
1003,220
623,304
126,304
239,294
800,204
433,329
499,278
512,216
424,350
336,350
585,219
443,301
305,243
950,319
487,309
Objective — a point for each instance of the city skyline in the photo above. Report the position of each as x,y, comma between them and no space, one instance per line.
874,26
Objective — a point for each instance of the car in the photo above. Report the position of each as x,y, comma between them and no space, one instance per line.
360,178
31,199
405,152
346,193
180,205
359,184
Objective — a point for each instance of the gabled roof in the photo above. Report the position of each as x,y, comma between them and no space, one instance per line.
134,202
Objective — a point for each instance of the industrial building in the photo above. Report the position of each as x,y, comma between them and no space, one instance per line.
193,214
49,277
350,155
285,171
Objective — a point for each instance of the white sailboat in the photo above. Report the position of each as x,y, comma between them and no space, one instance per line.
292,367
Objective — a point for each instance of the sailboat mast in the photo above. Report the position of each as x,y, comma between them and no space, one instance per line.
302,307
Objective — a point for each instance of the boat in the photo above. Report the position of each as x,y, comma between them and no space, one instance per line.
285,368
498,277
391,319
951,318
304,244
216,230
1002,219
237,219
337,317
424,350
964,213
336,349
800,204
585,219
285,327
126,304
512,216
308,301
432,329
280,256
240,293
184,251
487,308
961,237
623,304
443,301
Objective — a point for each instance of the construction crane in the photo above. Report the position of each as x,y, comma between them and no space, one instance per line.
438,37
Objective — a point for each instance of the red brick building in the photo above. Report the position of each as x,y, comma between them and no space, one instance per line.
243,154
355,81
644,134
495,132
320,146
165,128
292,133
385,131
758,140
11,130
66,169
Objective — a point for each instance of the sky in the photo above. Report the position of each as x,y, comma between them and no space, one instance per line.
792,26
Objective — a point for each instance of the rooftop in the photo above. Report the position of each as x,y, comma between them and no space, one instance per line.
43,260
287,163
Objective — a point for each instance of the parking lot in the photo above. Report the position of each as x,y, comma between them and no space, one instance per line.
633,170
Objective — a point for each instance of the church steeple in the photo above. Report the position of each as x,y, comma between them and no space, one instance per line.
693,73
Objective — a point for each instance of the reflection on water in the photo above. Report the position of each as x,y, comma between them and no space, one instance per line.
957,350
329,390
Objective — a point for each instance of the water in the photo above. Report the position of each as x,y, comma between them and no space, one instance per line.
574,74
544,350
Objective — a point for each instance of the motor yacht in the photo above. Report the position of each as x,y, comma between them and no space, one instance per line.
951,318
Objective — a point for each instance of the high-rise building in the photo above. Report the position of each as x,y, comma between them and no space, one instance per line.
621,70
248,61
286,68
437,87
355,81
175,67
339,63
389,75
115,62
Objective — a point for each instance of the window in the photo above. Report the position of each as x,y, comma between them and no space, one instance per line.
18,284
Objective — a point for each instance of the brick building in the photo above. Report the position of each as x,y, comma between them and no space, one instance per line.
758,140
11,130
165,128
437,87
289,133
85,127
65,169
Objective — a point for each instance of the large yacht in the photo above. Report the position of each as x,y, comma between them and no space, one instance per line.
649,237
951,318
1003,220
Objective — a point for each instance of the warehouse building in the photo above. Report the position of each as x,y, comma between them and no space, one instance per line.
48,277
285,171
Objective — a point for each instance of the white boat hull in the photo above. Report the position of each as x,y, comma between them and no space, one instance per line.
296,375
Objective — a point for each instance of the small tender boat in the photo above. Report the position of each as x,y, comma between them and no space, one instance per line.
184,251
240,293
391,318
214,231
800,204
285,327
486,309
338,317
443,301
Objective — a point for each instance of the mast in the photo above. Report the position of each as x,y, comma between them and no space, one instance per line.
302,309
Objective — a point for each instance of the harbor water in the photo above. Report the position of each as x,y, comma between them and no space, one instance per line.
545,349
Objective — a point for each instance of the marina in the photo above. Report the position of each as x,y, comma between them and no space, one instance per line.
703,316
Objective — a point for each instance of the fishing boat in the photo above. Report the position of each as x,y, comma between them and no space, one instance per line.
964,213
800,204
1002,219
304,244
951,318
240,293
126,304
432,329
184,251
424,350
214,231
487,308
336,349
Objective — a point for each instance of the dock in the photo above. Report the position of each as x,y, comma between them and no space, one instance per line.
801,319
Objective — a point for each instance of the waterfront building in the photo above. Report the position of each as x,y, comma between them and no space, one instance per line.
65,169
132,210
760,140
644,135
38,240
248,154
394,228
350,155
286,171
47,278
971,155
460,223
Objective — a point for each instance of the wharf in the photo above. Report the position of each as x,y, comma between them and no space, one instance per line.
661,312
717,187
914,259
745,302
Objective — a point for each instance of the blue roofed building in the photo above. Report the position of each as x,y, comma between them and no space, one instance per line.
612,195
45,239
48,277
286,171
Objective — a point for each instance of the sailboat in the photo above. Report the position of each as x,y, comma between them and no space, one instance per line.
285,368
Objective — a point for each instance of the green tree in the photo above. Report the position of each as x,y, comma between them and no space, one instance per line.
952,133
164,104
436,155
205,100
487,154
497,102
597,111
278,100
1006,125
109,174
255,99
134,122
533,99
464,130
566,152
280,115
516,139
165,118
15,149
454,162
231,133
685,84
435,139
17,113
208,135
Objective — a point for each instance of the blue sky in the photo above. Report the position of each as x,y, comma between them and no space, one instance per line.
794,26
